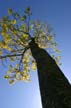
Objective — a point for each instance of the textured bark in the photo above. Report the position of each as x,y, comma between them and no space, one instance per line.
55,89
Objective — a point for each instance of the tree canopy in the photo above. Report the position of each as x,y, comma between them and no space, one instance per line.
16,31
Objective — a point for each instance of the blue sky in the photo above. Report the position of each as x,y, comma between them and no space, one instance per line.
58,14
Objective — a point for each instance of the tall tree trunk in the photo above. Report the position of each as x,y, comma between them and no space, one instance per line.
55,89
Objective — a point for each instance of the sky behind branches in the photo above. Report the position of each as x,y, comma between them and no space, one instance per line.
58,14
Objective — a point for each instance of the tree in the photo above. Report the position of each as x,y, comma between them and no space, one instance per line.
54,87
21,43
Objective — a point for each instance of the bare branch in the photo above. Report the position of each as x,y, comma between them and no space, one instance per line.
7,56
13,51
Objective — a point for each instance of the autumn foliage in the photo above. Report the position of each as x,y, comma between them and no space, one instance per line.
16,31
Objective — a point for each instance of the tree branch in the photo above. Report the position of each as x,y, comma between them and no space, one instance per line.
22,56
24,33
7,56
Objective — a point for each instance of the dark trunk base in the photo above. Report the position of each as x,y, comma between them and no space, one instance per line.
54,87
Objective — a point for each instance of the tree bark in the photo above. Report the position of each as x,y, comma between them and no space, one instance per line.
54,87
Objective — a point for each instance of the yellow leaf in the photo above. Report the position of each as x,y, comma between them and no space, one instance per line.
6,76
25,36
50,38
4,45
7,38
11,81
26,77
4,25
12,59
0,52
13,21
26,59
1,45
9,48
34,66
3,33
14,31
